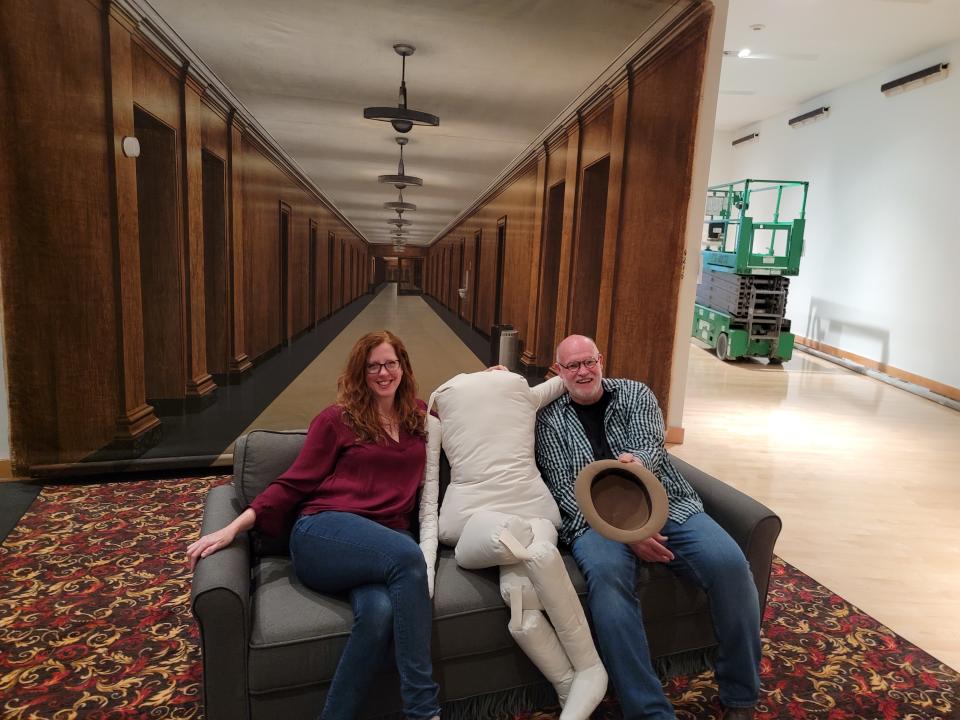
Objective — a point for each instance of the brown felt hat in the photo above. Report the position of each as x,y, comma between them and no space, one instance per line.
621,501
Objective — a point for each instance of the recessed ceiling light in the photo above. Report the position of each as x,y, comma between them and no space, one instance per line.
743,53
757,27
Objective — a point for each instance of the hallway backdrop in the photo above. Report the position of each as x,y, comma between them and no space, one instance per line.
140,290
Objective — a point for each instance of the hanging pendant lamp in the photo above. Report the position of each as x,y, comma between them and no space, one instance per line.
400,206
401,117
401,179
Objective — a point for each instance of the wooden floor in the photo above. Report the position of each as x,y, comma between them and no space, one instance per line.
865,476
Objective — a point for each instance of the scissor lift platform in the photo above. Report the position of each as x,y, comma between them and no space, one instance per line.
742,292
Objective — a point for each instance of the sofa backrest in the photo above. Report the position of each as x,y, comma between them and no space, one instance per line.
260,457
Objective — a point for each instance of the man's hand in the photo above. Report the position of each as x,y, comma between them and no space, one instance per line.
652,549
626,458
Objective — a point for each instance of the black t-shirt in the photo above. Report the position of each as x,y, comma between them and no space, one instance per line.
591,417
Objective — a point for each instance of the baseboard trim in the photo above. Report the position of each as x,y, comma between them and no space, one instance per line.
948,391
674,435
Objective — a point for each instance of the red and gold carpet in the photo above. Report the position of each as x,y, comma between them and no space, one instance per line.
95,623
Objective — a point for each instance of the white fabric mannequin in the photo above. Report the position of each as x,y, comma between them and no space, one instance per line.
497,511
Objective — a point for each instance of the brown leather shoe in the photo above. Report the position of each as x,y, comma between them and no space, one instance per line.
738,713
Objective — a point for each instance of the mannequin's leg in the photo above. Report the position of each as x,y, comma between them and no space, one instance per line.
559,599
480,546
533,632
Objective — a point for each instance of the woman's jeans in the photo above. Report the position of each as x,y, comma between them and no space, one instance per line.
384,573
705,555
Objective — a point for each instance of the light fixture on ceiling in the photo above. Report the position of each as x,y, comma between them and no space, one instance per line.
745,138
401,179
399,220
400,206
757,27
748,54
401,117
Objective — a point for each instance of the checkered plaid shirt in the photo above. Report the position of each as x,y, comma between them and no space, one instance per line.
633,424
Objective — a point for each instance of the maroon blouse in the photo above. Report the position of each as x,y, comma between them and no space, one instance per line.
335,471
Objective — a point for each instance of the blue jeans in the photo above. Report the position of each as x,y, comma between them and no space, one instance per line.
385,575
703,554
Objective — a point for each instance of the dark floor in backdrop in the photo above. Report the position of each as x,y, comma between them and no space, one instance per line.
15,499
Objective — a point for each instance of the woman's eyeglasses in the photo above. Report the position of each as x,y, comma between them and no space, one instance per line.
391,366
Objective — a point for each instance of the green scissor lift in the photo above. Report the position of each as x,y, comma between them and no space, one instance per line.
742,292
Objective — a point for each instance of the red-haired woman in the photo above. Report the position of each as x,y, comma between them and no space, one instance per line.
354,486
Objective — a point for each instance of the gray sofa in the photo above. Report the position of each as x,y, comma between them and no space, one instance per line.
270,645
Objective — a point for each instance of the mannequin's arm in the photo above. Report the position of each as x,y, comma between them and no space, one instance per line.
429,498
545,393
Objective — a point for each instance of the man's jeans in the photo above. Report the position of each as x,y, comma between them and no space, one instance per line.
703,554
385,575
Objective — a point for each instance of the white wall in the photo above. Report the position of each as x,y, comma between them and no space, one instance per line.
881,272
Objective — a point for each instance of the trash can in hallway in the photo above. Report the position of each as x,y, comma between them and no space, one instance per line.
509,355
495,342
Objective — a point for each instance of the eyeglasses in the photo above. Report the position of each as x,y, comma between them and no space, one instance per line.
391,366
589,364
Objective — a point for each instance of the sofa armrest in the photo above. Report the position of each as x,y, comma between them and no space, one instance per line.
220,600
753,525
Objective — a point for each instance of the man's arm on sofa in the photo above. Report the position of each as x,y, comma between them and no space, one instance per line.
220,599
751,524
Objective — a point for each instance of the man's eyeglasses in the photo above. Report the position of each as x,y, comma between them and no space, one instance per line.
391,366
589,364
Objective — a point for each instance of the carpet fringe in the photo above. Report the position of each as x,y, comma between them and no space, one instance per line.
689,662
509,703
495,706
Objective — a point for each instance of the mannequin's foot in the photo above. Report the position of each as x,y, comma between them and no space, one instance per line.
586,691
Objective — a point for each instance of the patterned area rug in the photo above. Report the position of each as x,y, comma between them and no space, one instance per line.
95,623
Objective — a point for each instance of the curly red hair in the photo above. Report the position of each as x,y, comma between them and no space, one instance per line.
358,403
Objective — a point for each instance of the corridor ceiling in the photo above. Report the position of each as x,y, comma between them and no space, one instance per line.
497,72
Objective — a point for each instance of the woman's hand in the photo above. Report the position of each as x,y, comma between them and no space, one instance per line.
497,367
211,543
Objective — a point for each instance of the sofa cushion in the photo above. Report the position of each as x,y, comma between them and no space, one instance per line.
262,457
297,635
